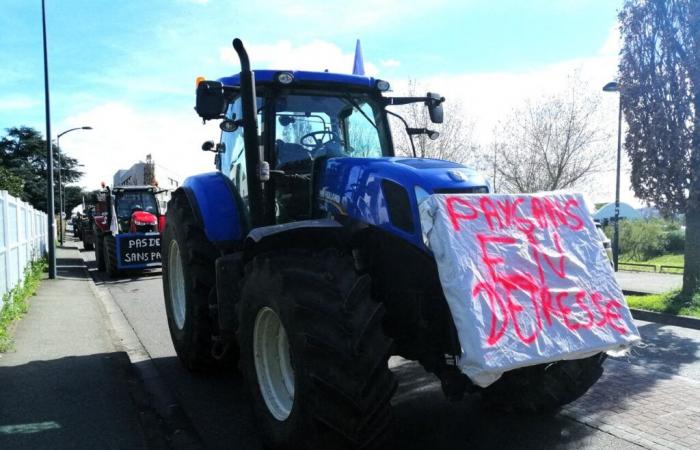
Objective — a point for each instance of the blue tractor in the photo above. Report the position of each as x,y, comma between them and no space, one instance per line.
301,259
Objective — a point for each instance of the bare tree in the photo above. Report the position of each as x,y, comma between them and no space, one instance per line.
554,143
455,142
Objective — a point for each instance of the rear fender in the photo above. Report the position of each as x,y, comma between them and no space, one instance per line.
304,234
101,224
217,207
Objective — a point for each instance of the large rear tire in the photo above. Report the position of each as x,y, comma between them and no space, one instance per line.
188,282
314,353
100,254
110,256
546,387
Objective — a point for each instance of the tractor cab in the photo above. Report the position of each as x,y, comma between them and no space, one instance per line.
301,120
136,208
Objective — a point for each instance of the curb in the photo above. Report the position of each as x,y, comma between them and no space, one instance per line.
666,319
180,433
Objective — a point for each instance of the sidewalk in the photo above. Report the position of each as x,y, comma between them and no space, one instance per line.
64,385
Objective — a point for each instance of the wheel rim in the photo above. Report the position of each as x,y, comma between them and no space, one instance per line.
176,281
273,364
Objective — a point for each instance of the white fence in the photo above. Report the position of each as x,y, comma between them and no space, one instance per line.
22,240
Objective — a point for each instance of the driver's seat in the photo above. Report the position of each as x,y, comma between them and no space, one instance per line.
292,158
292,194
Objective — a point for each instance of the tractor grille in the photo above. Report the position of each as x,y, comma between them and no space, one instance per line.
145,228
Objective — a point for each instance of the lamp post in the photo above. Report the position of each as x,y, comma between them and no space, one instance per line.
615,87
50,226
60,188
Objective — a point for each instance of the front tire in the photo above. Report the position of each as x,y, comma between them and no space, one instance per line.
546,387
314,353
188,282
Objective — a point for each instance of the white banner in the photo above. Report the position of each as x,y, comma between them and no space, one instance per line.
527,280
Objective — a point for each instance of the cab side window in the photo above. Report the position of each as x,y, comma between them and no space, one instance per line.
233,159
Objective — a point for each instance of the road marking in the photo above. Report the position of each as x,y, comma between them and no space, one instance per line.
29,428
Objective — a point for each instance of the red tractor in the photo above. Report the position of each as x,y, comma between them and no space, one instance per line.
128,226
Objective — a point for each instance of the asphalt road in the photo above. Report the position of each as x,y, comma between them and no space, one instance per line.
218,409
651,283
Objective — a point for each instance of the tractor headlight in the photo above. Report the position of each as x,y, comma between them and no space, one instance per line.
383,85
285,78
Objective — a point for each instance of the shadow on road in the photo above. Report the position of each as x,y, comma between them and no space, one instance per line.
215,404
71,402
664,350
641,381
426,420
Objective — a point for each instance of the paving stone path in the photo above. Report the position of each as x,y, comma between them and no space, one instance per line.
651,408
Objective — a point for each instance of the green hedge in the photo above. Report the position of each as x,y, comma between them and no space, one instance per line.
646,239
15,302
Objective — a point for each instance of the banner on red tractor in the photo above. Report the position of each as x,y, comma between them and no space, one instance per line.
138,250
527,280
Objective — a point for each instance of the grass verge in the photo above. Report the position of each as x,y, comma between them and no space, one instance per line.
16,302
669,303
671,259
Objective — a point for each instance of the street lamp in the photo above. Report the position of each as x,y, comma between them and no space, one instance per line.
49,157
615,87
60,188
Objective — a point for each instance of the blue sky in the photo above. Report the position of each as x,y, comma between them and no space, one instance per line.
128,67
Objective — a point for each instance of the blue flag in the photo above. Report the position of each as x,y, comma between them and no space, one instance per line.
358,67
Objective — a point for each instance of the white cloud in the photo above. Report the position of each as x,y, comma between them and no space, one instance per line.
390,63
17,102
316,55
613,43
122,136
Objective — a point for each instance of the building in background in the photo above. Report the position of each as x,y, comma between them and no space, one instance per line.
149,173
607,213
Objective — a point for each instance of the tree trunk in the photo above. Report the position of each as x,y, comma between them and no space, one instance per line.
691,273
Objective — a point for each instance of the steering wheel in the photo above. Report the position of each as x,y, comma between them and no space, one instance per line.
317,139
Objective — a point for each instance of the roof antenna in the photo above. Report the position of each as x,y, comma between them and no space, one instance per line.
358,66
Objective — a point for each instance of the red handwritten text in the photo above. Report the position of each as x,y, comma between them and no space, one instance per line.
523,301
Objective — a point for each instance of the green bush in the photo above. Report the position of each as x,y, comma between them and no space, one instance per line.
642,239
675,241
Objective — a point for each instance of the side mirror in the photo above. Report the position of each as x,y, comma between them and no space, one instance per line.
210,100
208,146
434,104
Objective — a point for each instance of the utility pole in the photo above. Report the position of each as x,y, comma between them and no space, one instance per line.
51,229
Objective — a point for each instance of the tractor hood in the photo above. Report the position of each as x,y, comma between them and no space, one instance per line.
143,218
386,192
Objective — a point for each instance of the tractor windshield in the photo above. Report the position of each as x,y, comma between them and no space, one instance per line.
311,126
128,202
